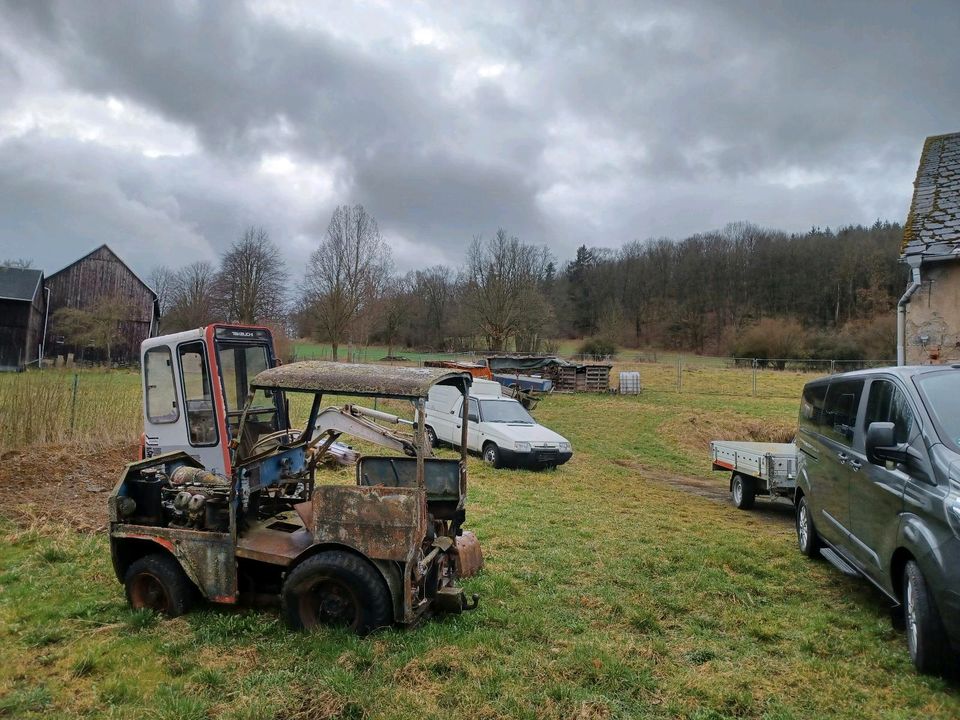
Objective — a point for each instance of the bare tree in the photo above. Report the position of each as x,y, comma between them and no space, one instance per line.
252,283
503,277
394,310
162,280
20,263
346,272
192,299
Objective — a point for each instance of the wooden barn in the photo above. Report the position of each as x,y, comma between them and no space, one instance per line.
97,280
22,312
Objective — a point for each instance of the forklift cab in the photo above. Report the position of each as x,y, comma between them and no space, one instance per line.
195,385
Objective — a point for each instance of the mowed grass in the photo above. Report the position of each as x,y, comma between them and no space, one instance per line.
607,593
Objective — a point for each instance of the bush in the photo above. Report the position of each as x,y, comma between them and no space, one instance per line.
597,348
772,339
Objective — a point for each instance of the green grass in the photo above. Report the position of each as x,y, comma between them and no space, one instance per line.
607,593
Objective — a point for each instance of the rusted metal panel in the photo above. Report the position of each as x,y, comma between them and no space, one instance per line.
206,557
381,522
468,557
354,379
274,546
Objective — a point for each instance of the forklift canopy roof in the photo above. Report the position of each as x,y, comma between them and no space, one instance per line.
364,380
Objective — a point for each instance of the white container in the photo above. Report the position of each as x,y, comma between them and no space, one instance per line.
630,383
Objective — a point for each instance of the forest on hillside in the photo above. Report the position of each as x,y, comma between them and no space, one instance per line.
743,290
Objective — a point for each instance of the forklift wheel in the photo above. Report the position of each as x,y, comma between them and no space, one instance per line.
339,589
157,582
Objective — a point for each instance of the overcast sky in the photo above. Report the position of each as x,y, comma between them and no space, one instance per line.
164,128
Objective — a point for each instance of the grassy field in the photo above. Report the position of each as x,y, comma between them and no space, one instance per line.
610,592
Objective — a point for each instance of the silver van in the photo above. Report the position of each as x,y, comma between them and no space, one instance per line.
878,493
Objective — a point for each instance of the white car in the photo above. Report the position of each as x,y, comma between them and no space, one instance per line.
499,428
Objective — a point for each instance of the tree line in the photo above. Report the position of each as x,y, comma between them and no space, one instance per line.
741,290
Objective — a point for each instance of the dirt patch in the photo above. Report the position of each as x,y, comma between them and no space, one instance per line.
694,431
63,484
715,488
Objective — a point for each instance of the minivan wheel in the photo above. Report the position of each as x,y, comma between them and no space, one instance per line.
431,437
742,491
926,637
491,455
807,537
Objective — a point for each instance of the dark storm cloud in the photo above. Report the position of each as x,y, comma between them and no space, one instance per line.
564,123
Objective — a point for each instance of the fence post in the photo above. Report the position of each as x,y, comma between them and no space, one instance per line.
679,373
754,377
73,402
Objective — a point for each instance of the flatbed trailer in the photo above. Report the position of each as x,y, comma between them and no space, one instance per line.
756,468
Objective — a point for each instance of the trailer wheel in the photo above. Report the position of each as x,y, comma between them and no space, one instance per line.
491,455
338,589
157,582
431,437
742,491
807,538
926,637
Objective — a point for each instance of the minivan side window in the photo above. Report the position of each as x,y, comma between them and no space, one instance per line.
474,410
811,406
840,410
887,403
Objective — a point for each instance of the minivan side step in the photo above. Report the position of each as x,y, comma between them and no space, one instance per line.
834,558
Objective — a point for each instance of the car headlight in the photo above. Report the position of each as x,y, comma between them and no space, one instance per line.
521,446
566,447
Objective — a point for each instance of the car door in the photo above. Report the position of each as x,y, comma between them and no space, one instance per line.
876,491
837,432
473,426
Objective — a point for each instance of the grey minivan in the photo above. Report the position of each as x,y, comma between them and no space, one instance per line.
878,493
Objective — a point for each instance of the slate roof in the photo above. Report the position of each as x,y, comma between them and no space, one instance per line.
933,225
19,283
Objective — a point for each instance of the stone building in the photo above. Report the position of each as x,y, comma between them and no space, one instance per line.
929,328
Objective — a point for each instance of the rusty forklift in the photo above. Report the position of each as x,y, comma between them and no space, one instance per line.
226,501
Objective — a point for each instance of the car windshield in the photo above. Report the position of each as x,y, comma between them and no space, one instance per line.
504,411
941,395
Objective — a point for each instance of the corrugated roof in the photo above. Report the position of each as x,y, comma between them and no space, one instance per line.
19,283
933,225
353,379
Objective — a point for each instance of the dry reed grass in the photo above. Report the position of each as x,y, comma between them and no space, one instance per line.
51,406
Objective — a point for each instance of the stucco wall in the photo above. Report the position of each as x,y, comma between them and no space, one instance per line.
933,316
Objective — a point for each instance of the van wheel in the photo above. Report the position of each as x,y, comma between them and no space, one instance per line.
431,437
926,637
157,582
807,537
337,589
491,455
742,491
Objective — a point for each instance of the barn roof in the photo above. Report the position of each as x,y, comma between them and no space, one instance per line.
932,231
19,283
115,256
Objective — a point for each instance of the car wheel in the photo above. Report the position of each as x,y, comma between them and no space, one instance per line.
157,582
742,491
491,455
336,589
807,538
926,636
431,437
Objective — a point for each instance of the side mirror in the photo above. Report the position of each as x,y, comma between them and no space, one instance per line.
880,445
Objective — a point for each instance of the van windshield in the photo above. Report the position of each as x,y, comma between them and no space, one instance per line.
941,395
504,411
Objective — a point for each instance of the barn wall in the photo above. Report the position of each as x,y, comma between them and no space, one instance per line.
103,275
14,323
934,314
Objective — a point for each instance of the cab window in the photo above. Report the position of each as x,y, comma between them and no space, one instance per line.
474,411
197,395
840,410
887,403
161,395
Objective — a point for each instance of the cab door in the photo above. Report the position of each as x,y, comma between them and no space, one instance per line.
838,460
